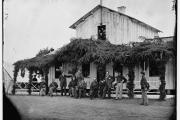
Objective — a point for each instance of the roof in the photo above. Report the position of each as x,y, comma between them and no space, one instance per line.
73,26
165,39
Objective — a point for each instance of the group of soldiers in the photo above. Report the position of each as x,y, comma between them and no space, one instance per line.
77,86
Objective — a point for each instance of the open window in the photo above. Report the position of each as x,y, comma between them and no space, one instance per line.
58,70
86,69
102,32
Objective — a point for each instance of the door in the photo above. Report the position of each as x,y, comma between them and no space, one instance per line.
101,72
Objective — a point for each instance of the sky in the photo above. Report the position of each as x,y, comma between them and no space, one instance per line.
31,25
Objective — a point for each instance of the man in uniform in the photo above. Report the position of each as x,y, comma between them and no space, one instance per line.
119,87
82,88
53,88
93,88
144,89
63,83
42,89
108,85
102,84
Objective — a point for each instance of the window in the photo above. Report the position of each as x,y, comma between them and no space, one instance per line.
155,69
102,32
86,70
57,70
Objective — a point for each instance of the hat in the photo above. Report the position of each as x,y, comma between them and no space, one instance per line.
143,73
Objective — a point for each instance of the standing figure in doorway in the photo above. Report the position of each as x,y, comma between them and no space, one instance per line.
144,89
63,83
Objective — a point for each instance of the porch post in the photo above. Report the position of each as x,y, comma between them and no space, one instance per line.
162,86
16,69
130,84
30,80
46,71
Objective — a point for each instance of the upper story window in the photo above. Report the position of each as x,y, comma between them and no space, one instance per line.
102,32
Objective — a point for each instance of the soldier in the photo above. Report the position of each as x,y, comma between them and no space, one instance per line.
101,87
79,75
144,89
42,89
63,83
108,85
53,88
71,86
93,88
120,79
82,88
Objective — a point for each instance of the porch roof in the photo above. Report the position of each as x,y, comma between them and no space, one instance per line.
88,50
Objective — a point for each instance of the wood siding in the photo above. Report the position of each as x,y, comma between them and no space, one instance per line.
119,28
153,81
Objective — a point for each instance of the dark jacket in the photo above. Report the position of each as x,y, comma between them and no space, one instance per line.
120,78
144,83
62,80
94,85
109,81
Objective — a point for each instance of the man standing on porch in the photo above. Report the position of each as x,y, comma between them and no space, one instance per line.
119,87
108,85
144,89
63,83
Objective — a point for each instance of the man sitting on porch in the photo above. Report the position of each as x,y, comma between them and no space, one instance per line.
53,88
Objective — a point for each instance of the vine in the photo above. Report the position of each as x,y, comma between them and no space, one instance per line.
130,83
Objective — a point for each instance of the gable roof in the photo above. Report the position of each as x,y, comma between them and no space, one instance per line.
73,26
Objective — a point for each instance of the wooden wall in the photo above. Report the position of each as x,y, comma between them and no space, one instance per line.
119,28
153,81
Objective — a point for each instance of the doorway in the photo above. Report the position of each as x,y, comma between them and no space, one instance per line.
101,72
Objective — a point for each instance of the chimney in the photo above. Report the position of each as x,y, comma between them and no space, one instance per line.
122,9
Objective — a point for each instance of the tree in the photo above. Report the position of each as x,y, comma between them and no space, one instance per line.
44,51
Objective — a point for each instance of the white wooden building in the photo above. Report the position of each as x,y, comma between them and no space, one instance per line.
120,29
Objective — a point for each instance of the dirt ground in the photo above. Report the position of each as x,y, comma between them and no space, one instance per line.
67,108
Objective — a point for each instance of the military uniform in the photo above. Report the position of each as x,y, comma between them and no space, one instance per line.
53,88
144,89
63,84
102,84
93,89
119,87
108,85
42,89
81,88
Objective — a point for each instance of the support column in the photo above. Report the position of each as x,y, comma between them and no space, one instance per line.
46,71
16,69
30,81
130,83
